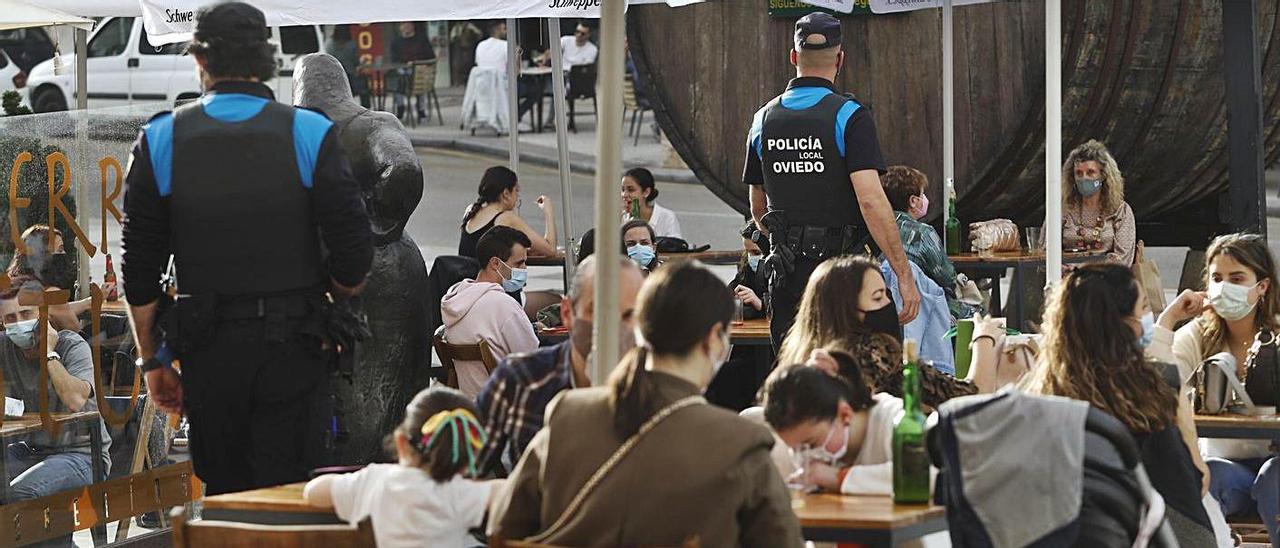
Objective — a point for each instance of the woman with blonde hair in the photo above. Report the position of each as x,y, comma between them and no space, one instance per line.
1095,216
1097,326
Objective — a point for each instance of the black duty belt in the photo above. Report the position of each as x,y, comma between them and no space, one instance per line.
289,306
820,242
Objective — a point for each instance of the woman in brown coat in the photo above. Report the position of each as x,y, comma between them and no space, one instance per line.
645,460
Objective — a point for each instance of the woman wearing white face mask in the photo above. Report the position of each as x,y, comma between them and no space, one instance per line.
1241,303
649,461
906,189
1095,216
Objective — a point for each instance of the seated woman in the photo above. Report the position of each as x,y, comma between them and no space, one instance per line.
1097,324
54,270
637,241
1240,305
905,187
846,306
1095,216
499,196
639,197
651,421
737,383
749,286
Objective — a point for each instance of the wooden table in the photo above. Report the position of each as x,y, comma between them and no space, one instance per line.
747,333
993,265
30,424
872,520
280,505
118,306
716,257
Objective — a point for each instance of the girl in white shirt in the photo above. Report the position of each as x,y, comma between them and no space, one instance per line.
423,500
639,195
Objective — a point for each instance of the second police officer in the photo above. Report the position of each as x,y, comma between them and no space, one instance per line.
246,194
813,165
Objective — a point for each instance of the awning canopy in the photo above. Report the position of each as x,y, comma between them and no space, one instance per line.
17,14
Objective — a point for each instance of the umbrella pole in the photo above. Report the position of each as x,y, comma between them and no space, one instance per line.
948,112
608,171
513,75
82,137
1053,141
562,147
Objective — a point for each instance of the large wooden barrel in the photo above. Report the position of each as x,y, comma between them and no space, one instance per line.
1143,76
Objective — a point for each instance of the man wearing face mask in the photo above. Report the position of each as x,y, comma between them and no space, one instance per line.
54,268
514,400
480,309
40,465
637,240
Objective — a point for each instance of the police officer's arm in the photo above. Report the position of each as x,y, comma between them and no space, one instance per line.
344,223
759,206
753,176
864,163
145,240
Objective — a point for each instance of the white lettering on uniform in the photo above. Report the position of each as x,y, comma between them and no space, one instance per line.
799,167
796,143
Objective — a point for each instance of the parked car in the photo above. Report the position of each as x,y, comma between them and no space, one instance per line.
124,68
11,77
26,47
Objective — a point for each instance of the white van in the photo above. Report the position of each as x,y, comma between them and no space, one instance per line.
125,69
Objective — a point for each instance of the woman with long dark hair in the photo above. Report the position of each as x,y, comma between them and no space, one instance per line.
1097,326
588,477
496,204
639,202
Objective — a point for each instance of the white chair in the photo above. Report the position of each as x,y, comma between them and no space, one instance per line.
485,103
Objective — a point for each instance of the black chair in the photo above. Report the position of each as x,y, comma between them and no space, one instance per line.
582,85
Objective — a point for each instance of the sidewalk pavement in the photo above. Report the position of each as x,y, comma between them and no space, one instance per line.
653,152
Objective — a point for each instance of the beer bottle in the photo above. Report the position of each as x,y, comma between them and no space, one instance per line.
910,460
635,208
953,222
109,279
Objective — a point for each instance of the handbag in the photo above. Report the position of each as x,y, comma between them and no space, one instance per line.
1262,369
1218,389
1148,275
1017,355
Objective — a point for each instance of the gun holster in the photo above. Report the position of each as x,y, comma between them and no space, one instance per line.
190,323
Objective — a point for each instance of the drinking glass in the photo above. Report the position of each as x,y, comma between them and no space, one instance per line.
1034,238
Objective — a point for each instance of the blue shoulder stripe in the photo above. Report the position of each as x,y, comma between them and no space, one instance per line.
159,132
232,107
842,120
309,129
757,126
804,97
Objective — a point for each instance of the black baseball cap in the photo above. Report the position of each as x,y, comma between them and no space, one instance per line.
232,21
817,30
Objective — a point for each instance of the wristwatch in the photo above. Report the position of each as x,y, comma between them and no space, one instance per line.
53,357
148,365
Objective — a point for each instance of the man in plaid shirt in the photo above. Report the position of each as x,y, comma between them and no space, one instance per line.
515,398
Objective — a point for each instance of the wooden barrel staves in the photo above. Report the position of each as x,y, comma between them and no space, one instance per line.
1143,76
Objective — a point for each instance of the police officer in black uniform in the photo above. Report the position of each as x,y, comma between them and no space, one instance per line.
242,191
814,165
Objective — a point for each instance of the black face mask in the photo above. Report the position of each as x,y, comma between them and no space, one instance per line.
57,270
884,320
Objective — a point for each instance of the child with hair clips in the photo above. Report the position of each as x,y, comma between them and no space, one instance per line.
423,500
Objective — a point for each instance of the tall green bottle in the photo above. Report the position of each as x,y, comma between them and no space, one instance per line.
953,222
910,460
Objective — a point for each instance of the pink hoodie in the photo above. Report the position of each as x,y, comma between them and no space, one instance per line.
473,311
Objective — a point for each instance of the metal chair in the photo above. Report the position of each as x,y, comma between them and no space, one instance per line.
422,86
447,352
631,101
225,534
582,85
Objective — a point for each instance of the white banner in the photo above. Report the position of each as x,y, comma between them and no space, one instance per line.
842,6
168,21
896,6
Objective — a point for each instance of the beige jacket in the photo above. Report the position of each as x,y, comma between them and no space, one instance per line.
703,471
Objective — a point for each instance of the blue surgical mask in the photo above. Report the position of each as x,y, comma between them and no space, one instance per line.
1088,187
753,261
641,254
23,333
519,277
1148,330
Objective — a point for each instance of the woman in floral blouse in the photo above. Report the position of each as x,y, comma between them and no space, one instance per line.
905,187
1095,216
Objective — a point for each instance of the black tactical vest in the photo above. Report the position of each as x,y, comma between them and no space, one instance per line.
804,172
240,219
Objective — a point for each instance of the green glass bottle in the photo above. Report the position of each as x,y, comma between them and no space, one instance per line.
953,222
635,209
910,460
